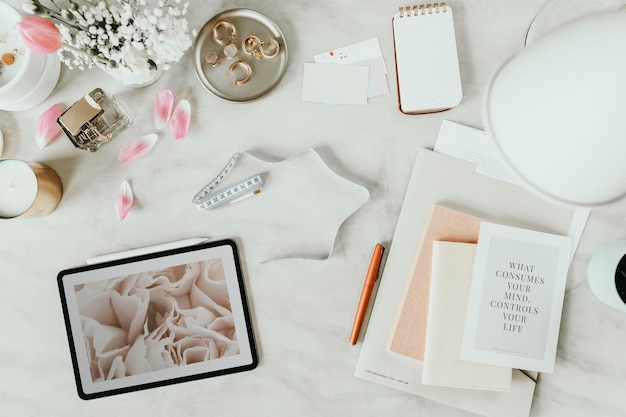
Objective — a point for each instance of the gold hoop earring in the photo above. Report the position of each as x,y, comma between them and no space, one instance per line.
251,45
247,68
271,50
229,27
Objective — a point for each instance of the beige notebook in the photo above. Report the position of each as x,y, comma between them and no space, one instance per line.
427,64
445,224
451,279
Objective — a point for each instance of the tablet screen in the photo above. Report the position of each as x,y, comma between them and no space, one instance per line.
157,319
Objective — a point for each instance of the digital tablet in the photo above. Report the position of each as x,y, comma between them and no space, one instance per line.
157,319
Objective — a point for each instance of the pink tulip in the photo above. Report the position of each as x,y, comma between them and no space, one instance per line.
163,108
47,126
179,123
39,34
137,148
124,200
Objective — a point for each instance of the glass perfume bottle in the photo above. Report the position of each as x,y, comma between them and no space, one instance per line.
94,120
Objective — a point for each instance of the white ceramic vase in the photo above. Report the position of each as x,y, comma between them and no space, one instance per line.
130,81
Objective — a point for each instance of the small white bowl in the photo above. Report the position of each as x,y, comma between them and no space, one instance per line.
40,91
28,70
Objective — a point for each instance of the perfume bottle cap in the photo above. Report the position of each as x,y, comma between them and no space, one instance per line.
83,111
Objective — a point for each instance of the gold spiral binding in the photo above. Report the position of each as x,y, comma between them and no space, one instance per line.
422,9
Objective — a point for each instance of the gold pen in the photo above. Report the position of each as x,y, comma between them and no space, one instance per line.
366,292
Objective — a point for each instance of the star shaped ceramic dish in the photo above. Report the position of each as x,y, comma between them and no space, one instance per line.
299,210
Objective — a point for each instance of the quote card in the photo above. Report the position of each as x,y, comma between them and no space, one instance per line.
516,298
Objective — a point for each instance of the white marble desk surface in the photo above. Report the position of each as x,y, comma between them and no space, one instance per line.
302,309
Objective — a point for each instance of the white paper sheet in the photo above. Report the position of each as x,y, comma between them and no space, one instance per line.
473,145
334,83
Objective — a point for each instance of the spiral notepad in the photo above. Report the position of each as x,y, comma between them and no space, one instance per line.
427,64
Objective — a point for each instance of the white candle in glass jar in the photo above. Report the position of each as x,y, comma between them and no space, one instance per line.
18,187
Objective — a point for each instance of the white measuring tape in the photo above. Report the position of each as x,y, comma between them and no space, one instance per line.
208,198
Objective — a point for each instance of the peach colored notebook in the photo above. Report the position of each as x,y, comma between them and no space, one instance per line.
409,337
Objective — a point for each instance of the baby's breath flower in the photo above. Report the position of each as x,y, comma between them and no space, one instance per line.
129,37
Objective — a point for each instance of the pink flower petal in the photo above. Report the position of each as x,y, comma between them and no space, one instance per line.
47,126
179,123
163,108
137,148
124,200
39,34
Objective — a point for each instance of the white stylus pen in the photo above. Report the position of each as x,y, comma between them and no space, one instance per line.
146,250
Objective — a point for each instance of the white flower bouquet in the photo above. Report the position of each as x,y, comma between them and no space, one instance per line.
131,39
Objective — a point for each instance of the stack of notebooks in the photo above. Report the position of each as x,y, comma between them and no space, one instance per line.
431,323
482,299
438,331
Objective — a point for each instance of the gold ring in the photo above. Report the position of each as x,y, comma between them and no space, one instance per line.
246,66
271,50
229,27
212,58
251,45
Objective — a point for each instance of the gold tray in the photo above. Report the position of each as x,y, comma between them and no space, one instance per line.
266,72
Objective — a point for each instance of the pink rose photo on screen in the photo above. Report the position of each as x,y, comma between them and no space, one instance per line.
156,320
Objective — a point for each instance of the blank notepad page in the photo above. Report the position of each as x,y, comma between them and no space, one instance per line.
427,64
